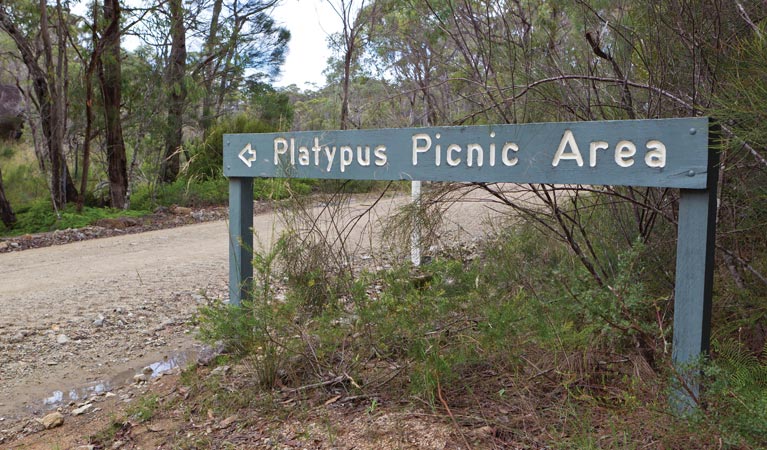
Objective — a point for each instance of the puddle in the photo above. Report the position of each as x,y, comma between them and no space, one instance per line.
63,397
59,398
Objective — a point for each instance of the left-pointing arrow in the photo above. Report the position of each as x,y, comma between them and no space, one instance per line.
248,160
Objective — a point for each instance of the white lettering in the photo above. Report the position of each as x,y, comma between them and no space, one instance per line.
292,152
363,158
438,154
347,156
316,149
492,150
471,149
303,155
331,154
380,154
420,148
507,147
450,149
568,140
280,148
593,147
624,153
656,154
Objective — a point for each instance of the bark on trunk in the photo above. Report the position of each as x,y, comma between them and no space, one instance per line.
6,213
111,90
176,70
209,70
49,103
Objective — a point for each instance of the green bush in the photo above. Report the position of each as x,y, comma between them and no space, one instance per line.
183,192
206,157
40,217
211,192
736,394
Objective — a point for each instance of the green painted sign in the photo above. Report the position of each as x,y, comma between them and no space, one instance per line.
661,153
672,153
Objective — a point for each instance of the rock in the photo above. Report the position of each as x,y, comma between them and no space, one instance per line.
82,410
180,210
486,430
221,370
16,338
86,447
52,420
99,322
62,339
119,223
226,422
140,378
208,354
117,444
198,215
4,246
144,376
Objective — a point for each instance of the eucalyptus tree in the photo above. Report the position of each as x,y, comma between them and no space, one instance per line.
355,18
409,47
239,38
110,81
177,92
7,216
40,34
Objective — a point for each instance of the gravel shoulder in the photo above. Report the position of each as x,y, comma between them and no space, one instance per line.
84,317
88,311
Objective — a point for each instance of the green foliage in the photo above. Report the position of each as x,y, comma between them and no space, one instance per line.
273,107
206,156
212,192
144,408
22,180
186,192
40,217
736,394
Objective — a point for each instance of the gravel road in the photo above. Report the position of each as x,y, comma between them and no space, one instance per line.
86,316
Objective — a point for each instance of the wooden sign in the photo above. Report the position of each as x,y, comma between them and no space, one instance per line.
670,153
661,153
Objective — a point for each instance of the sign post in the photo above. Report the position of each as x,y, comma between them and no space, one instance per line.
240,238
671,153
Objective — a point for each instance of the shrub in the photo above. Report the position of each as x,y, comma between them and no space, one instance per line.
206,157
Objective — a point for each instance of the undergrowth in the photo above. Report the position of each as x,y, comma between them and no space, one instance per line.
40,217
517,338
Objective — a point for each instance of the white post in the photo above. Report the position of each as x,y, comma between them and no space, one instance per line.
415,238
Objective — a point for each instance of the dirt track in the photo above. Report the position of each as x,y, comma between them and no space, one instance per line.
88,315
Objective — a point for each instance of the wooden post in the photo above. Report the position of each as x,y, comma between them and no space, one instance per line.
240,239
415,237
696,237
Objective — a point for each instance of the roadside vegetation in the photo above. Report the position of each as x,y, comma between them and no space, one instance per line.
554,331
506,342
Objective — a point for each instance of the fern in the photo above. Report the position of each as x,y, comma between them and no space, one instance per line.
737,395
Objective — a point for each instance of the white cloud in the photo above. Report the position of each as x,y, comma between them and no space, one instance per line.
310,22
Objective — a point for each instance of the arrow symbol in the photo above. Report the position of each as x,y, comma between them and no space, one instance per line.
248,160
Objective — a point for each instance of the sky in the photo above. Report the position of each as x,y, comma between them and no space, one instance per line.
309,22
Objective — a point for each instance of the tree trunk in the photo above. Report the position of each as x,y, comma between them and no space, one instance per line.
111,90
176,71
209,70
6,213
49,103
345,93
